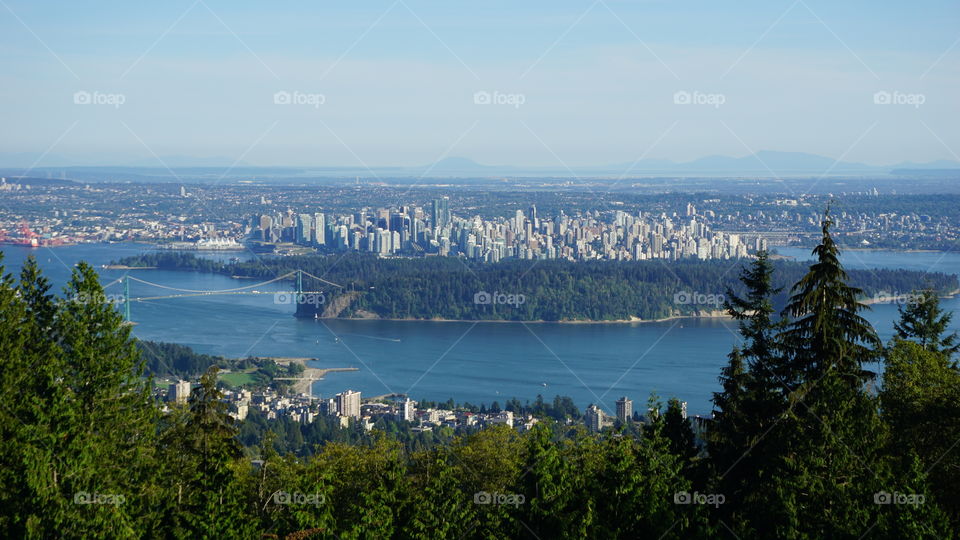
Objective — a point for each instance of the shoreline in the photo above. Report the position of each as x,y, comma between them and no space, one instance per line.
842,248
125,267
310,374
633,320
154,246
848,248
898,299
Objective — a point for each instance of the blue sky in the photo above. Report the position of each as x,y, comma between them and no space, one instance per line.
522,83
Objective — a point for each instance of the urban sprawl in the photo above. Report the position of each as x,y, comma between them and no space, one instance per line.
348,408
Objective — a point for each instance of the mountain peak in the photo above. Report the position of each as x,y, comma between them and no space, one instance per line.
457,163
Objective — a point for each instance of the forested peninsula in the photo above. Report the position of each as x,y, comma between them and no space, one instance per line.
447,288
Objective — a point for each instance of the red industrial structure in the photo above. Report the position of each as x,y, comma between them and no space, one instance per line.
28,238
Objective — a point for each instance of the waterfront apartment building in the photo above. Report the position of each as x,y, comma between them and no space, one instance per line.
593,417
328,406
407,411
504,417
348,404
624,409
179,392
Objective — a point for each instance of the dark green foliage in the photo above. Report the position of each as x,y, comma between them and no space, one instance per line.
729,430
753,400
442,508
798,443
830,447
547,486
202,459
677,430
827,332
920,400
924,321
77,420
173,360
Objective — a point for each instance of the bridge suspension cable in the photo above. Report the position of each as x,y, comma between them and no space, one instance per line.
320,279
278,278
214,293
114,282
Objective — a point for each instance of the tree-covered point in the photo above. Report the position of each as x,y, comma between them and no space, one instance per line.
163,360
552,290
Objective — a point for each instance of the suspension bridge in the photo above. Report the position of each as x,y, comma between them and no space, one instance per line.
296,296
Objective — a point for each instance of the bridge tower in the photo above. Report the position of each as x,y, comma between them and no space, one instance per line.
299,283
126,298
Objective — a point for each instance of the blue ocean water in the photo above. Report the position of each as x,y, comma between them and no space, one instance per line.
482,362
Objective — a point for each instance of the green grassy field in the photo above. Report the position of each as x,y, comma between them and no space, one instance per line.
237,379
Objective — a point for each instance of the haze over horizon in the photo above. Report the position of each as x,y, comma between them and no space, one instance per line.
394,84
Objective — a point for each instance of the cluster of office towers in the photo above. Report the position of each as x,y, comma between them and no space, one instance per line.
413,230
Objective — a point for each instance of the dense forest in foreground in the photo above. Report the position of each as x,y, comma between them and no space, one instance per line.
518,290
803,442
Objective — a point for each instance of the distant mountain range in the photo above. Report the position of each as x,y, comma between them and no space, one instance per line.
765,163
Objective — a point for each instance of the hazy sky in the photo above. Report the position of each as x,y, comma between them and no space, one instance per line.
524,83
